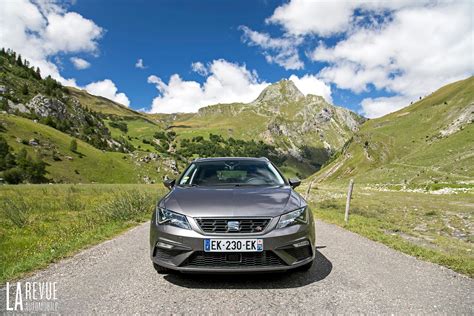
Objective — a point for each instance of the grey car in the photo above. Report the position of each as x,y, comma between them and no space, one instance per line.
226,215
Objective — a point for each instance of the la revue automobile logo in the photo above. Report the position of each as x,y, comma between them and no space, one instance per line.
233,226
32,297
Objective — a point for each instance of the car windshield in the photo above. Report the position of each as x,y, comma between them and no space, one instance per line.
231,172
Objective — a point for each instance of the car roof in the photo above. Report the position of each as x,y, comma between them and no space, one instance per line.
231,158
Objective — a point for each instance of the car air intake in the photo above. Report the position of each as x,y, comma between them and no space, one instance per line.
233,225
218,260
300,253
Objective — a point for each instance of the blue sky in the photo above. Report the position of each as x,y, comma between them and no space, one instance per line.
169,36
372,57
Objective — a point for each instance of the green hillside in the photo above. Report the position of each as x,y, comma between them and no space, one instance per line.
101,104
25,93
87,165
428,143
298,132
414,179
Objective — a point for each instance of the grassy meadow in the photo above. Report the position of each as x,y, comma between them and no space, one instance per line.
433,227
40,224
88,164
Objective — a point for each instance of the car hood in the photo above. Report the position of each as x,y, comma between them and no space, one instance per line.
232,202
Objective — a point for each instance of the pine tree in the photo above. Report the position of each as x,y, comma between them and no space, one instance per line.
4,104
38,73
4,154
24,89
37,170
19,62
22,159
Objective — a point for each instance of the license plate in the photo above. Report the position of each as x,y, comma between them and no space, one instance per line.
233,245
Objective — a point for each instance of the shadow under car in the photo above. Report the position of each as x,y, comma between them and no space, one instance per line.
321,268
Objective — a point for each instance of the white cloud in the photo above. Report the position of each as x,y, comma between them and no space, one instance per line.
39,31
80,63
139,64
324,18
408,48
282,51
226,82
107,89
420,49
199,68
70,32
377,107
309,84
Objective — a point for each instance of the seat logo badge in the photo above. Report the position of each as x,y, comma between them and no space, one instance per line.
233,226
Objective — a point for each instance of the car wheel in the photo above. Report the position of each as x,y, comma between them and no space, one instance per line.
160,269
306,266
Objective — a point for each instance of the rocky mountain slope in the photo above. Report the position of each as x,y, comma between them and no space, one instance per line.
25,93
427,144
41,116
305,129
44,118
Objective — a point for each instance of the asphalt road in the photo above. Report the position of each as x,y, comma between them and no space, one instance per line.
351,275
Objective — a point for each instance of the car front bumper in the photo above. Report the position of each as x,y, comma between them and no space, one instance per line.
183,250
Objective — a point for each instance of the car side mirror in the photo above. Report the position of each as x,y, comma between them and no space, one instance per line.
169,183
294,182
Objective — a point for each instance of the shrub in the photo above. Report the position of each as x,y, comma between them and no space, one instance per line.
171,135
17,210
24,89
73,203
127,205
13,175
7,160
120,125
160,135
73,146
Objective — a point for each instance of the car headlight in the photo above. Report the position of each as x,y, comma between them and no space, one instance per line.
298,216
167,217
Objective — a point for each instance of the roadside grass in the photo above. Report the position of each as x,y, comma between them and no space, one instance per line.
40,224
435,228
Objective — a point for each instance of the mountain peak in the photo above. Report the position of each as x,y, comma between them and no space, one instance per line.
284,89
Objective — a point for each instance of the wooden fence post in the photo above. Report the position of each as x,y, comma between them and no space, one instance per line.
348,201
307,191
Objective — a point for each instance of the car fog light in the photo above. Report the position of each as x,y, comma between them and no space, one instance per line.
301,244
164,246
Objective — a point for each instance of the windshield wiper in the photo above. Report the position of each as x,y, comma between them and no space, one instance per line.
252,185
190,185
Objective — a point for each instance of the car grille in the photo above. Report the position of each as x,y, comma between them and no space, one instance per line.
220,260
219,225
